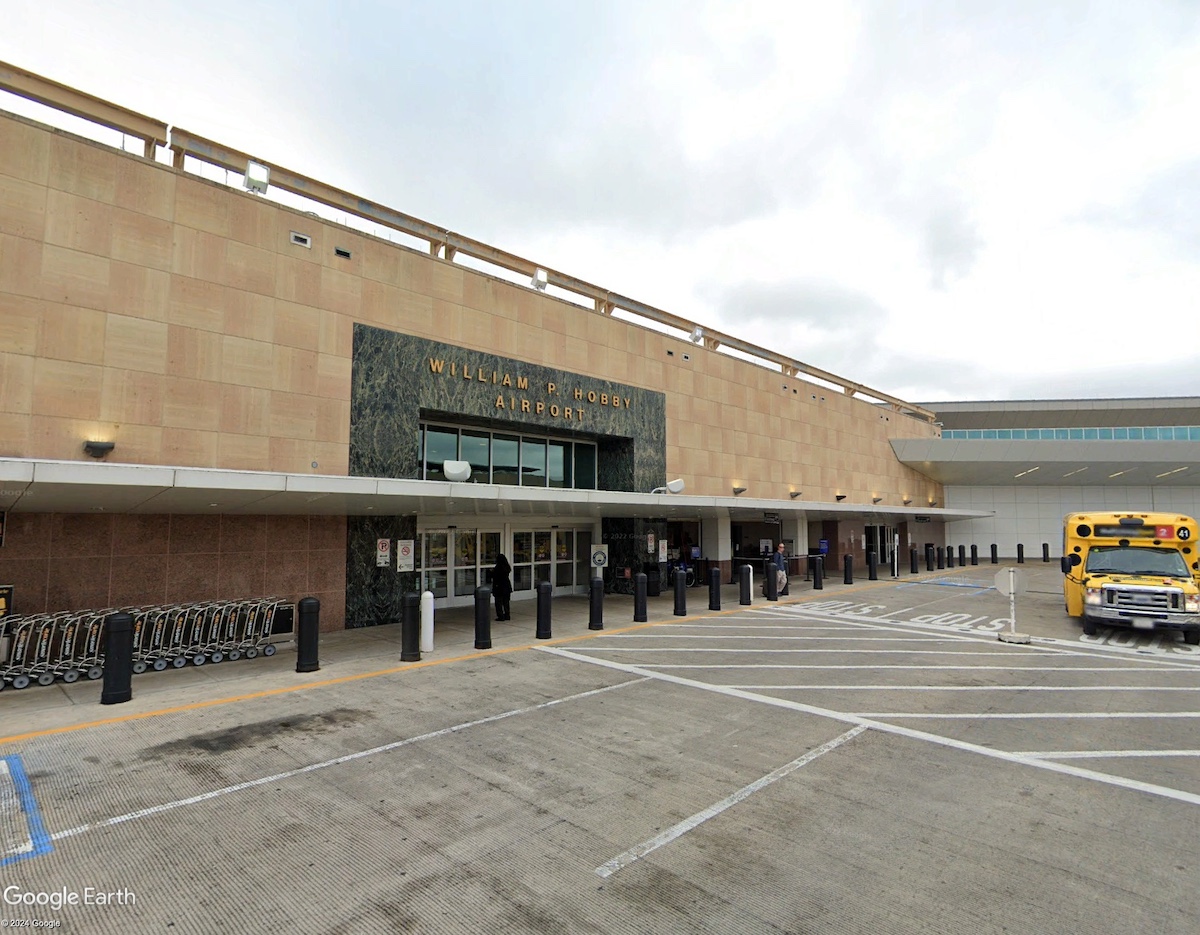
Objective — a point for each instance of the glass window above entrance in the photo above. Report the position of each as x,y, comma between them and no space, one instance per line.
499,458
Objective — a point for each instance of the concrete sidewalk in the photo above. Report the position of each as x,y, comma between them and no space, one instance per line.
358,653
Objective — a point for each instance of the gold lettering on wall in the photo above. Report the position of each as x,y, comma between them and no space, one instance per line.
465,371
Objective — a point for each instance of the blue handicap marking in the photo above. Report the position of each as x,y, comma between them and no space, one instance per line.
22,833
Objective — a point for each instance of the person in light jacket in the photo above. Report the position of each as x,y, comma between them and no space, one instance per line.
502,587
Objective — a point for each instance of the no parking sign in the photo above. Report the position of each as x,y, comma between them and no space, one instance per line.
383,553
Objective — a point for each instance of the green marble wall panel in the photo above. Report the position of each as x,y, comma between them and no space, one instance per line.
374,595
397,379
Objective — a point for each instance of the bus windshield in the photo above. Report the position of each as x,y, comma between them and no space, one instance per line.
1136,561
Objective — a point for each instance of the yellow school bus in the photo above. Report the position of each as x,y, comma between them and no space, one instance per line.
1134,570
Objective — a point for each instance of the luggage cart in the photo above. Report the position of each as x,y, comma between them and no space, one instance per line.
257,628
89,644
19,631
150,636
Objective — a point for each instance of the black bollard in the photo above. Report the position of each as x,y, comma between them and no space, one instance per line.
308,630
974,555
941,558
1020,553
543,610
1045,551
949,556
744,573
596,605
929,558
872,567
118,659
962,556
818,572
770,582
714,589
912,560
483,618
680,593
410,627
995,559
639,597
848,569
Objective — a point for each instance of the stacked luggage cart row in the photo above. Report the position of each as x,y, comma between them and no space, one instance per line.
70,645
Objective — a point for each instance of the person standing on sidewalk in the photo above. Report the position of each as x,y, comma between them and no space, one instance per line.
780,563
502,587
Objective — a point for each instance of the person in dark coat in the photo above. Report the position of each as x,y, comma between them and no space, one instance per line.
502,587
779,562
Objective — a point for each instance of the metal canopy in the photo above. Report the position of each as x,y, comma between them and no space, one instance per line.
35,486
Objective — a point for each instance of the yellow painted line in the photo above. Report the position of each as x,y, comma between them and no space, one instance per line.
342,680
477,654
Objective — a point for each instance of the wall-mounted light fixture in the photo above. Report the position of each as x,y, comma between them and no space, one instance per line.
257,177
839,497
98,449
540,279
456,471
795,493
933,503
697,335
876,499
738,490
907,502
672,486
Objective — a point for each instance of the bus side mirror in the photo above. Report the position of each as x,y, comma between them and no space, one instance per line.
1068,562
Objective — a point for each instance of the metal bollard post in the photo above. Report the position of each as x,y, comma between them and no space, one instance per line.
680,593
770,584
308,629
483,618
848,569
639,598
929,558
912,560
941,558
1020,553
596,604
426,621
949,556
974,555
118,659
543,610
995,560
745,572
1045,551
962,556
819,573
714,589
872,567
410,627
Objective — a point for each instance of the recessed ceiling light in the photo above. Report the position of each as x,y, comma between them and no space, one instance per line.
1169,473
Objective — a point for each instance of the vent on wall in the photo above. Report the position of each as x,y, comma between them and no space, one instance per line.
301,240
342,252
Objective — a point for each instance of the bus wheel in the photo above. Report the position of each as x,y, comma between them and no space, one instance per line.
1089,627
1191,637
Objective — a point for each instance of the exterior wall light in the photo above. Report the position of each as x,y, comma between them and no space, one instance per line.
839,497
673,486
257,178
876,499
540,279
907,502
738,490
98,449
795,493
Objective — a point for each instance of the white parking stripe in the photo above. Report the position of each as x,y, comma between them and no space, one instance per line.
975,668
608,868
1095,754
312,767
1032,716
868,720
978,688
1000,650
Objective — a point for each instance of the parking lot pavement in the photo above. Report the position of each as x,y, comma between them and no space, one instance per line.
855,760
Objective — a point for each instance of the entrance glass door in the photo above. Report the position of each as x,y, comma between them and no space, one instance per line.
458,559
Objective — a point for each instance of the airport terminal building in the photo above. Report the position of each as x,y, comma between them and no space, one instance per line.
220,378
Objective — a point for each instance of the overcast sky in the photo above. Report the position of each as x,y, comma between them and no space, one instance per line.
940,200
